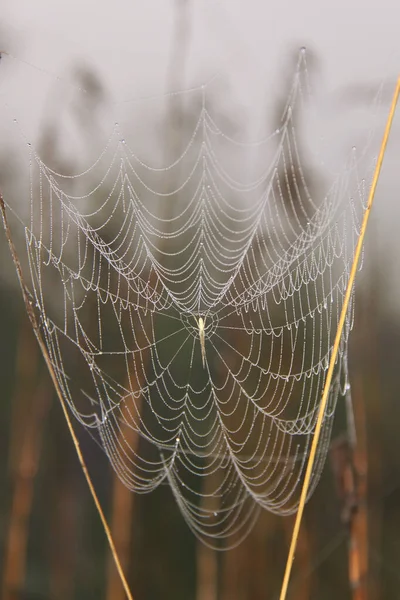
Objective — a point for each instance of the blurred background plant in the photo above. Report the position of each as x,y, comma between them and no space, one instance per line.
51,542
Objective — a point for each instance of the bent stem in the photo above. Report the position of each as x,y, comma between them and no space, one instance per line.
325,394
43,348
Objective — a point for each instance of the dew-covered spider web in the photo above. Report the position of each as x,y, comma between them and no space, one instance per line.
189,310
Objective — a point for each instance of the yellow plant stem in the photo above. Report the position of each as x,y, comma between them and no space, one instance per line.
325,394
42,345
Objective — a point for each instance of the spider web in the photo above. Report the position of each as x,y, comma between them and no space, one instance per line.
122,270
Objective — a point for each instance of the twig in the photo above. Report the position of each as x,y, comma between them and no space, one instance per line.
122,514
42,345
324,399
26,442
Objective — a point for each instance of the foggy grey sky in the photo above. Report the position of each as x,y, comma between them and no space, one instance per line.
129,43
354,38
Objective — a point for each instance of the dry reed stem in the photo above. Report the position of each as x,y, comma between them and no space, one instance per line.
362,528
325,394
121,526
25,463
27,360
122,513
206,557
42,345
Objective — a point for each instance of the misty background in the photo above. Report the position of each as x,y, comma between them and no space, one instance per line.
51,543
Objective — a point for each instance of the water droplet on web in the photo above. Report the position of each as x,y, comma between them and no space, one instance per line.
260,287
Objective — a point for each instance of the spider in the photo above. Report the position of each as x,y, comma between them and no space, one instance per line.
201,323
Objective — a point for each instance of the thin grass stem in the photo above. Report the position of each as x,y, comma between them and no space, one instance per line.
42,345
325,394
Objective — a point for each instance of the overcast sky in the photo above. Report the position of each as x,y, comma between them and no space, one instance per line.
129,44
354,38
